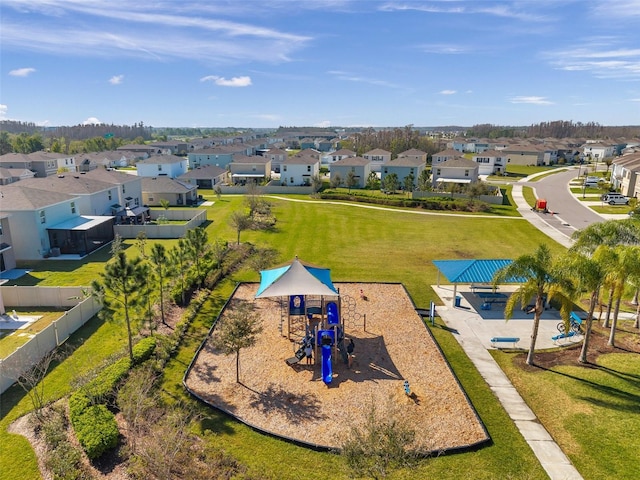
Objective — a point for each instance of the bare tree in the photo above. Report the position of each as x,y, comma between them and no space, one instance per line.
240,222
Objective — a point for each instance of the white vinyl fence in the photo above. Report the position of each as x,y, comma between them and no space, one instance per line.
81,309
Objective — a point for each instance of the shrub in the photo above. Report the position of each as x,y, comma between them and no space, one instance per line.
95,426
96,430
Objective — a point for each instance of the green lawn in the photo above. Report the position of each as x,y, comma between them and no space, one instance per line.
591,412
529,196
9,341
358,244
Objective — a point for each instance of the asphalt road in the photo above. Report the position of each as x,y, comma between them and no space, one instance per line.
569,214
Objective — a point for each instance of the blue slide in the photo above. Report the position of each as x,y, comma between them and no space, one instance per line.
327,371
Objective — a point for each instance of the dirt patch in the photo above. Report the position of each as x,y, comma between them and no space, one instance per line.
627,341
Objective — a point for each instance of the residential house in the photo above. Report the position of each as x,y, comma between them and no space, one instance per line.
11,175
456,170
172,147
598,151
7,252
625,174
176,192
48,223
245,169
140,151
307,143
324,145
299,169
359,167
205,177
491,162
415,154
403,167
220,156
333,157
98,192
42,163
524,154
377,157
445,155
277,156
170,166
107,159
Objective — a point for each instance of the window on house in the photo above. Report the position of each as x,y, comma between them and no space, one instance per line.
151,199
284,168
438,172
73,207
43,217
466,173
109,193
308,168
159,168
291,180
123,189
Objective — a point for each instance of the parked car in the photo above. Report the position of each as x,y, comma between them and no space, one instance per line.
613,198
592,181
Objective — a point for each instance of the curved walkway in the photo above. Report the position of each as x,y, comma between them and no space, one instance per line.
549,454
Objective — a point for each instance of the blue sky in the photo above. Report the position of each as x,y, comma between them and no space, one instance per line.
210,63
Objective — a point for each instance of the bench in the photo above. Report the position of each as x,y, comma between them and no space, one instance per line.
489,298
484,286
513,340
576,318
560,336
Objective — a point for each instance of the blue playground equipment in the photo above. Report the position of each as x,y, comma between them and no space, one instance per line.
332,314
326,339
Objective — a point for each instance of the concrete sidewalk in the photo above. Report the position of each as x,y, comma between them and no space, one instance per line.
551,457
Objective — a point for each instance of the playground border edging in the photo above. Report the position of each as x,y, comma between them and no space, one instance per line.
324,448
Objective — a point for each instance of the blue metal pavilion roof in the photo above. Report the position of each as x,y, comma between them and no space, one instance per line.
471,271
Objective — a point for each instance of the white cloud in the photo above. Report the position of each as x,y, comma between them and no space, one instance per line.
441,48
116,79
156,30
635,99
531,100
91,121
602,57
3,111
22,72
243,81
323,124
447,92
355,78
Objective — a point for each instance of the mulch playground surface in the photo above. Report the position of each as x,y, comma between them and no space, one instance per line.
293,401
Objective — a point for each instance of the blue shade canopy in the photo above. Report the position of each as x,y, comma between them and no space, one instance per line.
295,279
472,271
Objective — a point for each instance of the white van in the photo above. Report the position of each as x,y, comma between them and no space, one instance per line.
615,199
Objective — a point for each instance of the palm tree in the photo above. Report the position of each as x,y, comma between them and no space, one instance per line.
627,266
120,283
539,278
589,273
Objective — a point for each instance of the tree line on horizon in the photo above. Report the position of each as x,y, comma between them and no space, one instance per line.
555,129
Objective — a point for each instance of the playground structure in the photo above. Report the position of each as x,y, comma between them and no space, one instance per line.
312,311
324,331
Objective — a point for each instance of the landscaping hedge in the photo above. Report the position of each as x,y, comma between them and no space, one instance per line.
95,426
433,203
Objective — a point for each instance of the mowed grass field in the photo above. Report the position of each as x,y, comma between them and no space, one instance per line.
358,244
